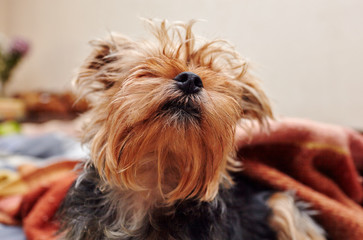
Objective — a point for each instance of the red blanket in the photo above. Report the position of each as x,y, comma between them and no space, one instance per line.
320,162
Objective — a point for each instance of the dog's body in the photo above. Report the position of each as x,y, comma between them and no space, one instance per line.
161,136
239,213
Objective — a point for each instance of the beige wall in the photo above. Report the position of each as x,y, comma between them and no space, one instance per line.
3,15
308,53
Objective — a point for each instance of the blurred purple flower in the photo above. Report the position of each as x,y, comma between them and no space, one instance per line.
19,46
10,59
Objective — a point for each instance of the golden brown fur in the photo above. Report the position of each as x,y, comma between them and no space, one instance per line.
130,136
156,149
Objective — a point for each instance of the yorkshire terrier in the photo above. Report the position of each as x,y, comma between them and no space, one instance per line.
161,136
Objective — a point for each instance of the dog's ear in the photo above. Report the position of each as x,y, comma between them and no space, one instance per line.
255,103
106,65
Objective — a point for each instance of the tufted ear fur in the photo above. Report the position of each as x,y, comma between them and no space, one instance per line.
107,64
255,103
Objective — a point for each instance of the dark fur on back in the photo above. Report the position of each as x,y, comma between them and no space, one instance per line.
238,213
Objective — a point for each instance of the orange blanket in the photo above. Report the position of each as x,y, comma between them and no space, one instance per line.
33,199
319,162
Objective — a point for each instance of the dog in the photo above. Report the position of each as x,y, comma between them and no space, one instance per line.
161,133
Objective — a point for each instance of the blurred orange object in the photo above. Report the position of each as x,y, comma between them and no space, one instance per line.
12,109
44,106
22,191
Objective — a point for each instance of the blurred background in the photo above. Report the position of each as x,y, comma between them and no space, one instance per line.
309,54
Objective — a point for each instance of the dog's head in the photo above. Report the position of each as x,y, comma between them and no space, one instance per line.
166,110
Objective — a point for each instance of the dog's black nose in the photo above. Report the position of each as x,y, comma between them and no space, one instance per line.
189,82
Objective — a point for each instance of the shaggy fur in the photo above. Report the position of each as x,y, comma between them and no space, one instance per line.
239,213
292,220
161,158
132,130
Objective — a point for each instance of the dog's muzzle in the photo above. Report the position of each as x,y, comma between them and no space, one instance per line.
188,82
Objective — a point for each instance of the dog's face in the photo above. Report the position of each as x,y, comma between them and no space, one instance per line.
166,110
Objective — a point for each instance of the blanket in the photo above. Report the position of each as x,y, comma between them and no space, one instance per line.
320,163
32,198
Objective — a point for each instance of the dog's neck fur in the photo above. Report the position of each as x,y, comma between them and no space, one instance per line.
132,211
94,210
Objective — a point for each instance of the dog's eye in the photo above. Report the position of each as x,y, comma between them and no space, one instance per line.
145,75
245,98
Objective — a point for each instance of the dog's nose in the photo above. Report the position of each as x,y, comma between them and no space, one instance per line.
189,82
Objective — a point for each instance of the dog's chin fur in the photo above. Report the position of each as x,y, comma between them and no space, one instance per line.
161,159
